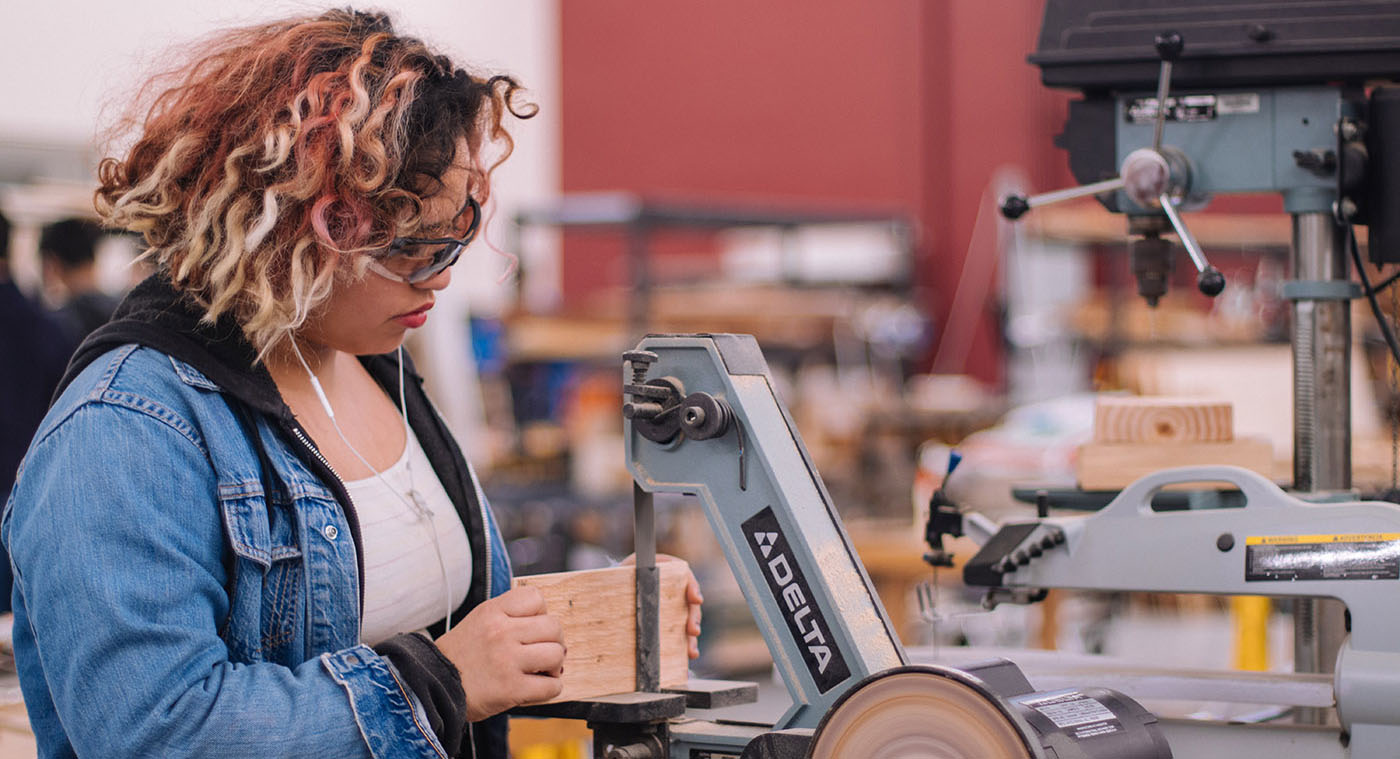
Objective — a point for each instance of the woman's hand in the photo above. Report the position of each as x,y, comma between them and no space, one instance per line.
693,597
509,652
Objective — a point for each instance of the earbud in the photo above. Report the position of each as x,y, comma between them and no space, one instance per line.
321,395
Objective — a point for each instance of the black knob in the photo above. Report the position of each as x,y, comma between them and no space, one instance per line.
1260,33
1169,45
1058,537
1022,558
1225,542
1048,541
1014,207
1035,550
1210,282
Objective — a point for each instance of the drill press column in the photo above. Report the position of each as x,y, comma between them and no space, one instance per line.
1321,415
1322,360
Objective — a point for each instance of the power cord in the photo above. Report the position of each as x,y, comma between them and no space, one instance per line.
1389,334
1386,331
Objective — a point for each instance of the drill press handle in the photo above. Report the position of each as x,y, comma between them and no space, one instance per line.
1014,207
1153,178
1209,280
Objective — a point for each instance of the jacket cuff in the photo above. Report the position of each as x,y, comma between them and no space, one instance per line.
434,679
389,716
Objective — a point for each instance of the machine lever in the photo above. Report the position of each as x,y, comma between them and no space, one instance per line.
1015,206
1209,280
1169,46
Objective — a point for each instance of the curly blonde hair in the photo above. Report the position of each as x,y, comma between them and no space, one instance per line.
285,146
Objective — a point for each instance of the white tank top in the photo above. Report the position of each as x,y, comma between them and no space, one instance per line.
405,589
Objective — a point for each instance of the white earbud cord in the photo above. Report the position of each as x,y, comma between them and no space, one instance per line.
414,504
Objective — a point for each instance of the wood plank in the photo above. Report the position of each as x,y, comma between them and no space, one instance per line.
1156,419
1113,466
597,609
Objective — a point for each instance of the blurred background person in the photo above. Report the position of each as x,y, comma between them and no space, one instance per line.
33,352
68,249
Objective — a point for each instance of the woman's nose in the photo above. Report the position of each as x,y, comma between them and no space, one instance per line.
436,282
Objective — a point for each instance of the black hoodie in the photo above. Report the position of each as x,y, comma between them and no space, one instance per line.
156,315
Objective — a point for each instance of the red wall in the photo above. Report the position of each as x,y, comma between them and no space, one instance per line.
908,104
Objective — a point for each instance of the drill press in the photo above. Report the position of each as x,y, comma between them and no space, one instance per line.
1246,97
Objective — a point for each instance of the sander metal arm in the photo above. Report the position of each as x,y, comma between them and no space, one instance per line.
704,420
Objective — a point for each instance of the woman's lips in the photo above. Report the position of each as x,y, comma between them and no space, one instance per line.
414,319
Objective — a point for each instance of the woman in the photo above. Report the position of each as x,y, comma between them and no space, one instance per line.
242,505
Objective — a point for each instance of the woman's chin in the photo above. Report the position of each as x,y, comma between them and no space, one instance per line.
375,347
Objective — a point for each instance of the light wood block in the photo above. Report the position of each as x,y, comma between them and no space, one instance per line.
1113,466
1135,419
597,609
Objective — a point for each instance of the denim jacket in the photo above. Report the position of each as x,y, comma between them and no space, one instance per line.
187,565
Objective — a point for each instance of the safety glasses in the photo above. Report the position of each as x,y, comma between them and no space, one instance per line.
416,259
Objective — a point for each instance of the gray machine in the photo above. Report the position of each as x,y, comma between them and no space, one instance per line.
1275,545
703,419
1181,101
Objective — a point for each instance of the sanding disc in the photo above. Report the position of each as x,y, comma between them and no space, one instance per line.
918,713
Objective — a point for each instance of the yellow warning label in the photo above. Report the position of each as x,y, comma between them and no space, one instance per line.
1365,537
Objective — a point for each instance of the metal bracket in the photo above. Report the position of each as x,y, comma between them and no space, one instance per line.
623,708
1326,289
648,593
780,744
715,694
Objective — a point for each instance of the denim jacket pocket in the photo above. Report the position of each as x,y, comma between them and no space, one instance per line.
267,576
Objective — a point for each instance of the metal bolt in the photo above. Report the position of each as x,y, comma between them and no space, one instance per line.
1344,208
642,410
632,751
641,362
694,416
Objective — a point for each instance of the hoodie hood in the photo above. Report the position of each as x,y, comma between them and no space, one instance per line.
157,315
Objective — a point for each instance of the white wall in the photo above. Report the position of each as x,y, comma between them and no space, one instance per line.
71,64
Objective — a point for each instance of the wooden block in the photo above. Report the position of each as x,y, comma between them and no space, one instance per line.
1113,466
1133,419
597,608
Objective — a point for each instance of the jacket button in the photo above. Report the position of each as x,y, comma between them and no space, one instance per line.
330,532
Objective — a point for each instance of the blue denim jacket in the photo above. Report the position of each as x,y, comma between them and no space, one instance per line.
186,586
